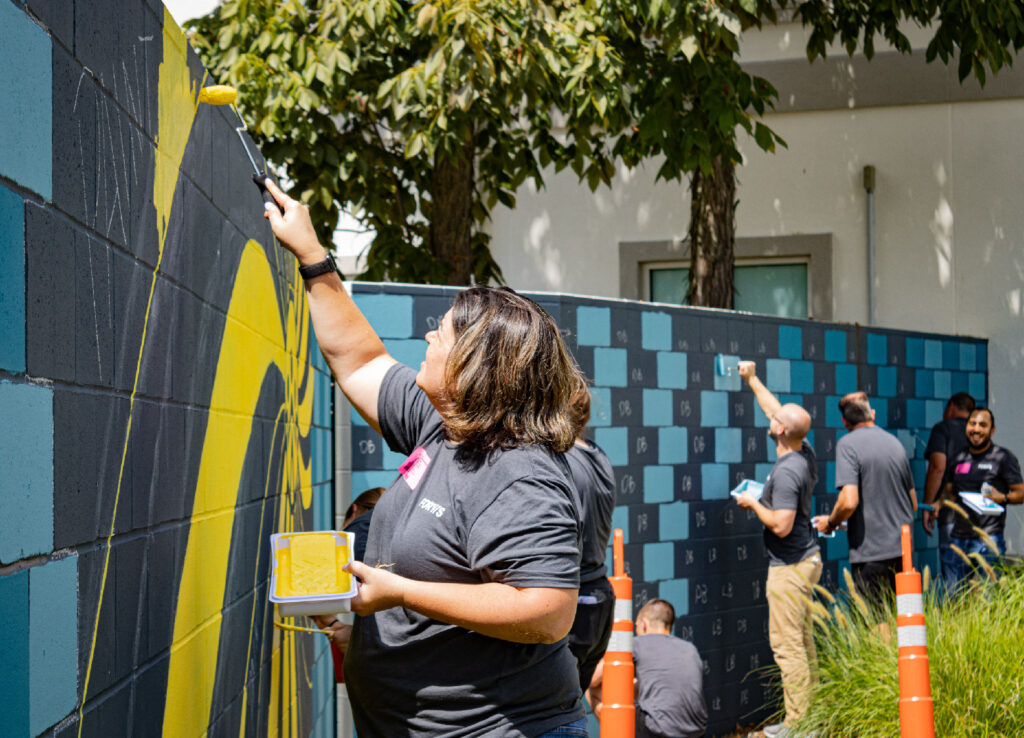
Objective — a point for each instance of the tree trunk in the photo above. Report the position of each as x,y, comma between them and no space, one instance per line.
712,235
451,221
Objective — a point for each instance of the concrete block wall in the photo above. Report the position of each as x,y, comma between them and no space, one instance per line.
165,408
680,435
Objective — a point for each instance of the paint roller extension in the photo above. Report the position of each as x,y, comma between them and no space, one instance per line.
226,95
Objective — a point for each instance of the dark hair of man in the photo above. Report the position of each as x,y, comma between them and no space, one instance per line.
991,415
510,380
658,611
855,408
581,406
962,401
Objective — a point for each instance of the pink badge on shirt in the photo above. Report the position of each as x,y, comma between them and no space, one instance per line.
962,468
413,468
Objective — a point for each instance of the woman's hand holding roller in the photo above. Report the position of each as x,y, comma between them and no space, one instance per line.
293,228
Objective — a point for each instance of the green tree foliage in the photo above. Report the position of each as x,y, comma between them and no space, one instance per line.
421,116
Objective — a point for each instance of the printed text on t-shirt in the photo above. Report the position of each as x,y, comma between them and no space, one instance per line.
432,507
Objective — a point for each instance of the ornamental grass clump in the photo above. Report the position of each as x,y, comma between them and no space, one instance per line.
974,650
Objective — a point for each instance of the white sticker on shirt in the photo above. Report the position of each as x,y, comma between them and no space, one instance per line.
413,468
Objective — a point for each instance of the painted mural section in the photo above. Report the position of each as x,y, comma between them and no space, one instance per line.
680,435
165,408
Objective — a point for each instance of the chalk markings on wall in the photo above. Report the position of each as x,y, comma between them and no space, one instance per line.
177,107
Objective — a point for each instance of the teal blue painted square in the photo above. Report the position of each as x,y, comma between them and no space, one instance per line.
881,407
615,442
801,377
593,326
837,547
915,413
657,407
727,378
791,342
887,381
391,460
933,410
835,346
833,418
830,475
409,351
771,452
672,445
728,445
967,357
878,352
26,487
364,480
923,541
943,384
777,375
610,367
915,352
918,469
761,472
659,561
390,315
981,356
714,481
53,646
976,386
26,116
908,439
676,591
933,353
356,418
714,409
656,331
846,378
600,407
620,521
658,483
14,653
924,383
12,281
671,370
929,560
674,521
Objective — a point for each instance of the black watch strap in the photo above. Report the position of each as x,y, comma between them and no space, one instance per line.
321,267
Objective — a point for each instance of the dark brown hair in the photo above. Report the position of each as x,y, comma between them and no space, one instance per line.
962,401
580,406
855,408
509,378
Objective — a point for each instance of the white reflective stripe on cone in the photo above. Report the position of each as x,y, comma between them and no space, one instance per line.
621,640
623,610
909,604
911,635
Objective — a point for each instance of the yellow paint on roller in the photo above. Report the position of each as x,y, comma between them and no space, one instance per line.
218,95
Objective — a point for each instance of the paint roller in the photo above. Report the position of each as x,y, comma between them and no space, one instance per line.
226,95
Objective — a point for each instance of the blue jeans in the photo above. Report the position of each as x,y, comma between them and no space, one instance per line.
576,728
956,571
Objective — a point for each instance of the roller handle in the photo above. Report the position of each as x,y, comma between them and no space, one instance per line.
260,178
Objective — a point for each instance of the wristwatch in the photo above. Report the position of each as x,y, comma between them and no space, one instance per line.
321,267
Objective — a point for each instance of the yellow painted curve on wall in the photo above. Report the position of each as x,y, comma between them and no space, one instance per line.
254,343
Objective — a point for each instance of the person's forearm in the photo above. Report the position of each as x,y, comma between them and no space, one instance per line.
933,479
769,403
844,507
1015,495
772,520
529,615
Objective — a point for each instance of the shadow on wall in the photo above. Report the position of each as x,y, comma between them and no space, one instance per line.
172,410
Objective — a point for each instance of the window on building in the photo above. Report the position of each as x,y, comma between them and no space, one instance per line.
760,286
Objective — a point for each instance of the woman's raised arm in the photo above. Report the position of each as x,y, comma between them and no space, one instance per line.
352,349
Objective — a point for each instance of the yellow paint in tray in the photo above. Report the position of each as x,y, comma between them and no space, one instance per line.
311,564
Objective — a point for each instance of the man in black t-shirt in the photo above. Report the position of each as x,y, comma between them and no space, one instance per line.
948,438
983,467
793,553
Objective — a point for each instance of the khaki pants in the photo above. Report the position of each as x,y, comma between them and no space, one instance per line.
789,591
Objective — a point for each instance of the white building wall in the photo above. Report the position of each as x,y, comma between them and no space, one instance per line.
949,220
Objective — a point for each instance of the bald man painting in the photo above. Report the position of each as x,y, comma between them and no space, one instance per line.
792,545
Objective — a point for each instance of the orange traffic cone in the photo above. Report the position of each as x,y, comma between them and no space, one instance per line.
917,718
618,713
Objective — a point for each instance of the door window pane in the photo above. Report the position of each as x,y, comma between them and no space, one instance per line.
772,289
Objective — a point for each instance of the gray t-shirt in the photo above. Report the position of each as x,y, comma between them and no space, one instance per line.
591,472
875,461
511,519
790,487
670,686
